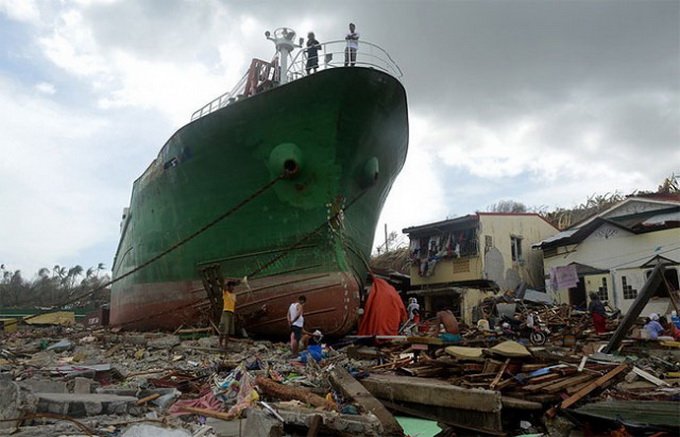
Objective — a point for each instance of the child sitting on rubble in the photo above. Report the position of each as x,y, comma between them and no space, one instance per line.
452,334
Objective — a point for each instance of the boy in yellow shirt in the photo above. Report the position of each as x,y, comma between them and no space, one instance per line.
227,322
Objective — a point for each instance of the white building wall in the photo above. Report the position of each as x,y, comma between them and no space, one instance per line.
622,253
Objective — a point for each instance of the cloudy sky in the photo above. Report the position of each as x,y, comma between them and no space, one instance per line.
541,102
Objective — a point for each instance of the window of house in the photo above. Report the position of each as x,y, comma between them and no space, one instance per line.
602,291
628,291
516,248
488,243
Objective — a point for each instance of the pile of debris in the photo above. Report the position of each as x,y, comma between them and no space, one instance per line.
60,381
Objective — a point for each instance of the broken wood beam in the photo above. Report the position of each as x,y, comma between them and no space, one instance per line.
192,330
149,398
649,377
207,413
352,388
314,427
569,382
498,377
571,400
285,393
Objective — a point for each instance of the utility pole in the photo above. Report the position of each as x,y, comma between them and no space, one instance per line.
387,249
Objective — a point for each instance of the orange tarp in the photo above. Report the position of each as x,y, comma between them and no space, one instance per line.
384,311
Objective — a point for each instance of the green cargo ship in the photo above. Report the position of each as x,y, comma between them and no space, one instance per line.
280,181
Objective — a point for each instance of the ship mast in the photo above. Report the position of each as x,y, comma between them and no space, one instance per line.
283,39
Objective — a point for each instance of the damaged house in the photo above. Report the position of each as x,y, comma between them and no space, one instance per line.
454,263
614,252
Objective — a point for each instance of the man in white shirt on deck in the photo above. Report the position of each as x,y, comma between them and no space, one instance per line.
352,39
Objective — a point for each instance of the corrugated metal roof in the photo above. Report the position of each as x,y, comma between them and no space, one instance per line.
657,413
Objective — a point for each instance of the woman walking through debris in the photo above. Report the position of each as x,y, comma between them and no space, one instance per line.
596,309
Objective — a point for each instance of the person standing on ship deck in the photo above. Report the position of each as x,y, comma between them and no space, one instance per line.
352,39
296,320
227,322
313,48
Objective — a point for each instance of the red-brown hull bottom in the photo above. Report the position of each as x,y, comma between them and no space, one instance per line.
262,304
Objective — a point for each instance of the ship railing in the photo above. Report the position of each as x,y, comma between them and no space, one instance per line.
223,100
331,55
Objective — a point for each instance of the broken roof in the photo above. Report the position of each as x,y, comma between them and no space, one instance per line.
464,222
664,215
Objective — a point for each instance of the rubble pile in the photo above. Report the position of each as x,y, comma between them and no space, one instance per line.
68,381
102,383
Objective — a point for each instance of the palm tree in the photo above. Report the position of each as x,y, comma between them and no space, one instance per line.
72,274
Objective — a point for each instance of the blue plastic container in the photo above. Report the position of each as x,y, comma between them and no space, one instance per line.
314,351
675,319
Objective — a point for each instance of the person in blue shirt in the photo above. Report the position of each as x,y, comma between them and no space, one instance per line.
654,328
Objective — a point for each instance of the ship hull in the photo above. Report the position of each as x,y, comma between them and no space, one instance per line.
339,137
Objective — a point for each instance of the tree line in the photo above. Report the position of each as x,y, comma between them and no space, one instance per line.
53,287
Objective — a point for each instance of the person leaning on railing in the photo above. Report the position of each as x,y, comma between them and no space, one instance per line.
352,39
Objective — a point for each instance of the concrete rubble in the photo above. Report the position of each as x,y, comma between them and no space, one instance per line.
57,381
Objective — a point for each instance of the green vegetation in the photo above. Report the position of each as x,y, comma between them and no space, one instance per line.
52,288
563,218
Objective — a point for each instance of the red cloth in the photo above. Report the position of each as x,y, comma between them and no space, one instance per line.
600,323
384,311
208,401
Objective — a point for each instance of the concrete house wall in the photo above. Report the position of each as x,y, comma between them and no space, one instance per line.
498,263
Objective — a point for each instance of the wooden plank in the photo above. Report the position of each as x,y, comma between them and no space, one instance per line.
545,378
207,413
537,387
571,400
315,426
391,364
286,393
500,374
649,377
352,388
571,381
148,398
575,388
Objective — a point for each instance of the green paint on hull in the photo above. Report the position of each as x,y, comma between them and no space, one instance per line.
337,128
